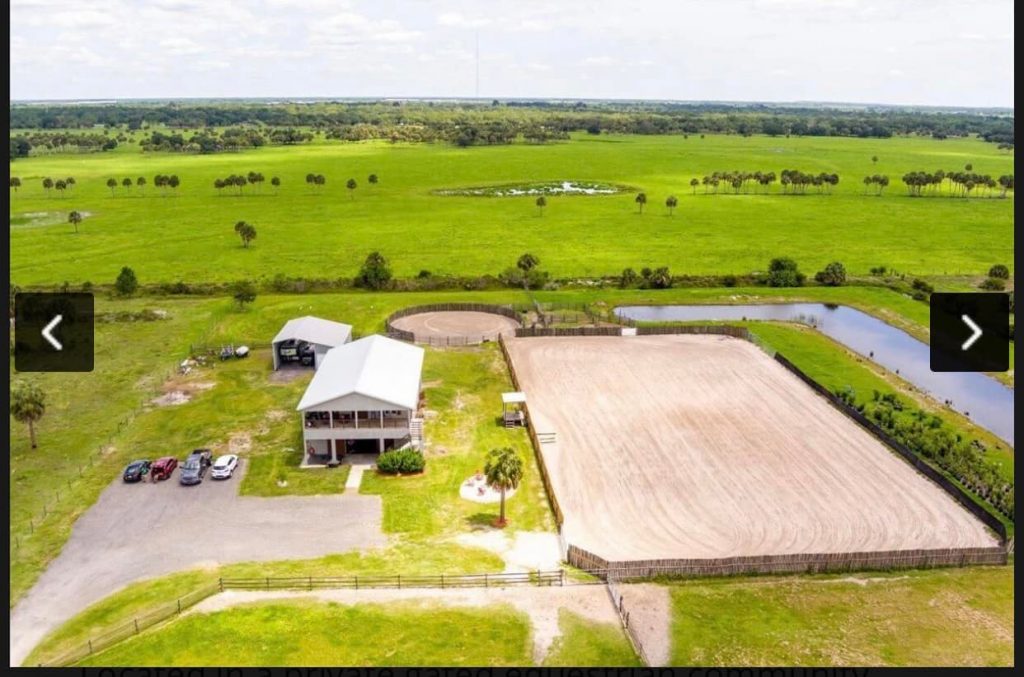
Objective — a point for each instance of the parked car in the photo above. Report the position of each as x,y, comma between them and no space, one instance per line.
136,471
162,468
194,467
224,466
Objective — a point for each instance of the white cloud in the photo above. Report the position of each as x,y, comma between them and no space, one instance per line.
572,48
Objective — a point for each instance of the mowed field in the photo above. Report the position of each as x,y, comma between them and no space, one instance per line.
188,235
704,447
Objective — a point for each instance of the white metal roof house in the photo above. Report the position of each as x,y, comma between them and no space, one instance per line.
365,396
306,340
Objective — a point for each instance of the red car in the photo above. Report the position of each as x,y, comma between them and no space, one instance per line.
162,468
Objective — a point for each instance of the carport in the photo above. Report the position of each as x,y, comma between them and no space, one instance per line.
305,340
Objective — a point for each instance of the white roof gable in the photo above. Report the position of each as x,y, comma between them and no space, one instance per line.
376,366
315,330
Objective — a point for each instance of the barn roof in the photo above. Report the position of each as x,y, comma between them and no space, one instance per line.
315,330
376,367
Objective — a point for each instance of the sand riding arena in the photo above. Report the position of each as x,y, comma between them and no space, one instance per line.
703,451
453,324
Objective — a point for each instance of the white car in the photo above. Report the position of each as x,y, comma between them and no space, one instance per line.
224,466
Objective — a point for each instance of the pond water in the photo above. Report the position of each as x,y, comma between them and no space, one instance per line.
988,402
553,188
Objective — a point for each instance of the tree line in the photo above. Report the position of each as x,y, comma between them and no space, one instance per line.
959,183
473,123
23,145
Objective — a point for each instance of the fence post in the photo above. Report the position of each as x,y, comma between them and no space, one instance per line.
311,583
220,582
357,582
179,605
442,581
399,581
90,646
136,626
268,582
562,576
486,583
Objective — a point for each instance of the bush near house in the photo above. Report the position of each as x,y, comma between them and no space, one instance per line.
401,461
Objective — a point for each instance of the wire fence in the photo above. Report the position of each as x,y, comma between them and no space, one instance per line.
619,602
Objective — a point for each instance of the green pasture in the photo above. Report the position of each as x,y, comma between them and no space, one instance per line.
950,617
325,233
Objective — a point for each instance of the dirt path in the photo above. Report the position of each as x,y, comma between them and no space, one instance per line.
702,447
203,525
542,605
650,618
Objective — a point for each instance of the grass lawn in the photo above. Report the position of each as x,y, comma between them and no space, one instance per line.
189,236
137,599
586,643
463,386
935,617
316,633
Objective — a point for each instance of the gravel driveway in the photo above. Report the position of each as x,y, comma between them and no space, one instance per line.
202,525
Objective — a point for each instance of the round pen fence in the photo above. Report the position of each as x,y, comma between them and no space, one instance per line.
465,336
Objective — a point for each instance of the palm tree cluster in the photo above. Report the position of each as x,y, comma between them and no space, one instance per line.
799,181
239,182
164,181
879,181
315,180
739,181
246,231
961,184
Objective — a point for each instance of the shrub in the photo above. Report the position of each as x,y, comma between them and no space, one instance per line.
126,284
878,270
834,274
992,284
999,271
783,272
729,280
660,278
919,296
375,272
424,274
921,285
628,278
400,461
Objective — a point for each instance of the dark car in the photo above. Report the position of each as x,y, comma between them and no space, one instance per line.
135,471
195,466
162,468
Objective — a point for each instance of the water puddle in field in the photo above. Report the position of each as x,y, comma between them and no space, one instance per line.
988,402
547,188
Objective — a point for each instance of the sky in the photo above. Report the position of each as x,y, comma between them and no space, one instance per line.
920,52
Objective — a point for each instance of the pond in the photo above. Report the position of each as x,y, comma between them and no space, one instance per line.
548,188
988,402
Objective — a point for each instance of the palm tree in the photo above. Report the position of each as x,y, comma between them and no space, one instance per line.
15,183
28,404
372,179
69,182
60,186
141,184
127,183
75,218
504,471
173,182
526,263
641,200
47,185
671,203
693,185
542,202
351,185
874,159
276,183
111,184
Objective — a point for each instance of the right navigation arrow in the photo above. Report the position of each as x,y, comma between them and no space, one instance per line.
974,336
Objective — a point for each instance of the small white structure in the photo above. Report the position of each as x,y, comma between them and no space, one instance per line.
512,409
306,340
364,397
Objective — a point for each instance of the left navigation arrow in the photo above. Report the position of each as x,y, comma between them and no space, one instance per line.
48,333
